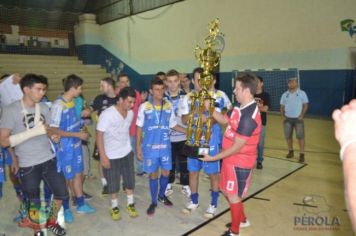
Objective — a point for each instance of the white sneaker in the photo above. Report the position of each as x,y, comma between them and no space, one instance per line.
245,224
186,191
210,212
169,190
190,207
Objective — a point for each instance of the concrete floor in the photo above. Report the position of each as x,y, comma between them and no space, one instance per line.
277,195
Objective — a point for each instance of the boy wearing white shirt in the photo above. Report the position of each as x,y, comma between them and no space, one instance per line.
116,156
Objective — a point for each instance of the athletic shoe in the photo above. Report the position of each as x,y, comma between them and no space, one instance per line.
210,212
151,209
229,233
259,165
169,190
39,233
186,191
68,216
190,207
85,209
105,190
56,229
245,224
165,201
132,210
115,213
290,154
301,158
87,196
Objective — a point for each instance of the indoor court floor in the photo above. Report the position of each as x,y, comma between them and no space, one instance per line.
285,198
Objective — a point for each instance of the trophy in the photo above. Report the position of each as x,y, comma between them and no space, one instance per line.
197,128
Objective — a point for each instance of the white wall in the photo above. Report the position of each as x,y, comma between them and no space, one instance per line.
259,34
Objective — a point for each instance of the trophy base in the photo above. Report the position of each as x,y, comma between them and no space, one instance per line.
194,152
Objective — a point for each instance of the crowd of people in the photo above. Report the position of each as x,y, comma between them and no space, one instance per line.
139,134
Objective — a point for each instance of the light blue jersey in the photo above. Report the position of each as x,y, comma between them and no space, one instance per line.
69,154
156,122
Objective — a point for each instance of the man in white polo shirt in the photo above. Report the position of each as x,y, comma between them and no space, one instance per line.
294,105
116,156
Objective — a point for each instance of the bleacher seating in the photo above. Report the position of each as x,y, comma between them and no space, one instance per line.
55,68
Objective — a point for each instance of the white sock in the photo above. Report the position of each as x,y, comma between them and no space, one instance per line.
169,186
114,203
130,199
103,181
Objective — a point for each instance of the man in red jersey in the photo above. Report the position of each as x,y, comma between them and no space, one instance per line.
239,149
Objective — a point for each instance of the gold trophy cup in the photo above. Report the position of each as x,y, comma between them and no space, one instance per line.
197,128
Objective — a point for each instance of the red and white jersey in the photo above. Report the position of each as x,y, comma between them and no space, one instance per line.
245,123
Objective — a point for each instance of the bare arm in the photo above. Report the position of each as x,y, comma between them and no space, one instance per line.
82,135
305,108
345,134
5,137
15,163
180,129
283,111
104,160
139,143
349,167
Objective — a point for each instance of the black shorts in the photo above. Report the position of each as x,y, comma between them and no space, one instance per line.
120,167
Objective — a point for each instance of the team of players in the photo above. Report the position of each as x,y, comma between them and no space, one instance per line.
160,126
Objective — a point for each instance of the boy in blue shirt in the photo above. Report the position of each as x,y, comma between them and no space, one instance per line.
154,121
69,154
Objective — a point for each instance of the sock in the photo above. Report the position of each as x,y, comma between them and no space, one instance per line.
114,203
103,182
154,189
163,181
169,186
243,216
130,199
214,198
235,211
65,204
194,197
80,201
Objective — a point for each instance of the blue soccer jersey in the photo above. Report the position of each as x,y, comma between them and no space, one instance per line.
69,153
156,122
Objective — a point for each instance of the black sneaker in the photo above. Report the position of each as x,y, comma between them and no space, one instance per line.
301,158
290,154
259,166
229,233
105,190
56,229
151,209
87,196
165,200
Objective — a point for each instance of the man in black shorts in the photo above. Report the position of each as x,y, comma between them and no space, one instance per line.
24,127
